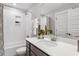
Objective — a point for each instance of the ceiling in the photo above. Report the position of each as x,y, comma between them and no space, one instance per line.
45,8
22,6
37,8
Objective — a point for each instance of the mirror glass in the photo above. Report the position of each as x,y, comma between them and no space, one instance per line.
42,26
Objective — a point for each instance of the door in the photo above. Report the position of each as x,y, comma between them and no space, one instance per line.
61,20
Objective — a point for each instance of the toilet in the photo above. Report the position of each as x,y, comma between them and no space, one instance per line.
21,51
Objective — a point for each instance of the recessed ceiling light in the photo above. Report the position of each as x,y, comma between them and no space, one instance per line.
14,4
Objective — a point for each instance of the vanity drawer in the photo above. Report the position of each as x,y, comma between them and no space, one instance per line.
37,51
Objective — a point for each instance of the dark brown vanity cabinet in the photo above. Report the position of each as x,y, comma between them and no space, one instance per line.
32,50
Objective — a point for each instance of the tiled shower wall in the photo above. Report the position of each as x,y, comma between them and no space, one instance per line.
1,31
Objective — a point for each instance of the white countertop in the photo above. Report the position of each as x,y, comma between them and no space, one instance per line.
54,48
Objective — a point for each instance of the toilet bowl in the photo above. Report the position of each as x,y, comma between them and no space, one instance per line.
21,51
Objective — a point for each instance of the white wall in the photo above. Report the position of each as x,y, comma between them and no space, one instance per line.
14,34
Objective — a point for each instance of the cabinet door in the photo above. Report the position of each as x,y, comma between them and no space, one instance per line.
61,20
27,51
32,54
37,52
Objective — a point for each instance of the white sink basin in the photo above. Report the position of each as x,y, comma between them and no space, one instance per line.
47,43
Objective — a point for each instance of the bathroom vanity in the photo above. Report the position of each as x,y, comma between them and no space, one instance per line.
33,50
42,47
